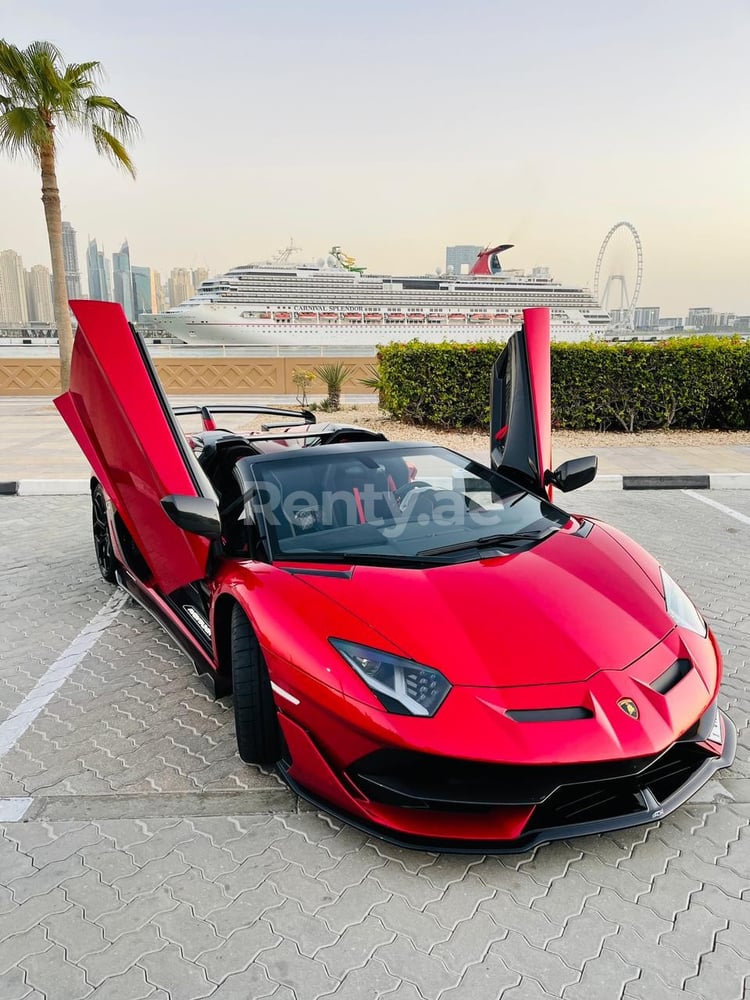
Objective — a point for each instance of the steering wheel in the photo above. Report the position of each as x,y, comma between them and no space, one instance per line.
402,492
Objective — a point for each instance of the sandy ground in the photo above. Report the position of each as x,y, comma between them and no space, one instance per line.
368,415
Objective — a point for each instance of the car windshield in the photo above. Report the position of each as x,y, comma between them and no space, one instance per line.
390,505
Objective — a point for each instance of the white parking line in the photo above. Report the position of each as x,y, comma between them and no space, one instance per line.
54,677
743,518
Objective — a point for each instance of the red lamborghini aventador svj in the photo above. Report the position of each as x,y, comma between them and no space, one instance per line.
426,647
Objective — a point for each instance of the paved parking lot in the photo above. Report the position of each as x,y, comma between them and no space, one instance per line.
150,862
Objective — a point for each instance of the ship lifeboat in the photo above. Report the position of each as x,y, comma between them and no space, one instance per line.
373,317
307,316
415,317
329,317
282,317
517,317
480,317
265,315
502,317
436,318
352,317
395,317
457,317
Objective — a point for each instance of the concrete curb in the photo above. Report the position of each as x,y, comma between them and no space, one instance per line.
602,484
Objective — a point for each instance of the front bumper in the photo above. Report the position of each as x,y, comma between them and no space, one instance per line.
426,802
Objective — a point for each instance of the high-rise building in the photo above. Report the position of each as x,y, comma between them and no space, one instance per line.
97,269
122,276
158,292
143,290
461,258
180,285
646,318
39,294
70,255
701,318
200,274
13,305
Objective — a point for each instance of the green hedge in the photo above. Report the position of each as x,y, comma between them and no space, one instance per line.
696,382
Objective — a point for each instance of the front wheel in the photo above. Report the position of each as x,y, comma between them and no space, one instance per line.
105,556
255,720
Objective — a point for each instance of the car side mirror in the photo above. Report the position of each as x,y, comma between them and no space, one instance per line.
199,515
573,474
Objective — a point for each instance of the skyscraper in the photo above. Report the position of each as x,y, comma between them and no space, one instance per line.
143,290
460,259
200,274
122,276
158,292
100,280
180,285
39,294
13,305
70,254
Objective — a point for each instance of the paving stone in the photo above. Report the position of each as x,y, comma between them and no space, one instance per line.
20,946
725,907
723,965
307,931
192,887
305,976
649,986
352,906
459,901
523,888
469,942
528,989
582,938
13,985
110,863
254,871
244,910
74,933
53,976
736,938
168,970
506,912
24,916
695,930
132,985
521,957
662,960
393,877
351,868
427,972
250,984
126,951
604,976
150,876
397,915
193,934
354,947
372,981
565,897
137,913
239,951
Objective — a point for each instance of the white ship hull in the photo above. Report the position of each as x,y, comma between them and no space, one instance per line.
332,303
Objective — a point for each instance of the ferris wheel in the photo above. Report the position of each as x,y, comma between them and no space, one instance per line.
615,282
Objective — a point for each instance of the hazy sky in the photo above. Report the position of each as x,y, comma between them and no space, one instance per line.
395,128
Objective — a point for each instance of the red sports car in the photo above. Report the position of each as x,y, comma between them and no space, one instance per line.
426,647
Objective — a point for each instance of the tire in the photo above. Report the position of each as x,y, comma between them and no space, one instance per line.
255,720
105,556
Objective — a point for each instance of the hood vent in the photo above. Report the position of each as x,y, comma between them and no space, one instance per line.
549,714
671,676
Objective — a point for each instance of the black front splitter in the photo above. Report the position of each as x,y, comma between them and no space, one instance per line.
534,838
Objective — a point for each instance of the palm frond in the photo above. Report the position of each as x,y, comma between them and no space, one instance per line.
111,147
23,132
112,116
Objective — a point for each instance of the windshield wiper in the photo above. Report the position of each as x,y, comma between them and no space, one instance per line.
490,541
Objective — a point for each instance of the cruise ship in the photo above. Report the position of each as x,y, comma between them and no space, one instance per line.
333,302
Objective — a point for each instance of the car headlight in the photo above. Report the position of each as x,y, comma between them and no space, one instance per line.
402,686
680,608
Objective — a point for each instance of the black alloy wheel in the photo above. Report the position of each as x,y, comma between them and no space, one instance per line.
255,719
105,556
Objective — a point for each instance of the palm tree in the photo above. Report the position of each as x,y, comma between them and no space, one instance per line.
39,98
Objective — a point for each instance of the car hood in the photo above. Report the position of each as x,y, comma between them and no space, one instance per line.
556,613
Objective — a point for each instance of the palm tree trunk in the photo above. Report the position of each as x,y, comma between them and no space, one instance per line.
53,216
